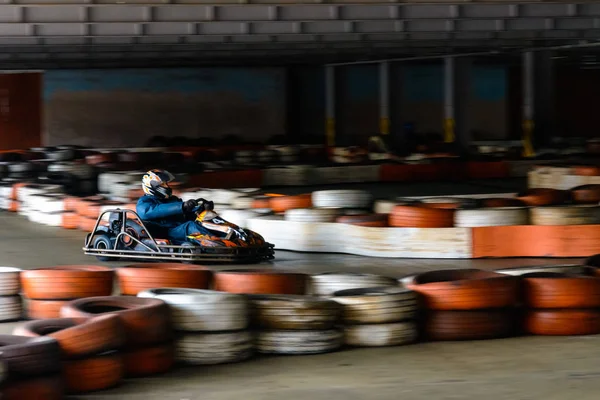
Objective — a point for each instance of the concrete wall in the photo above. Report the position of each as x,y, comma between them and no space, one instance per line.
126,107
20,110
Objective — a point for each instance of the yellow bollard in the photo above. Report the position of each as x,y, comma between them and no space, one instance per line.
449,136
528,150
330,131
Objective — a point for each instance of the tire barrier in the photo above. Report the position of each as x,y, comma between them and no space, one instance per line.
32,368
326,284
147,327
139,277
297,342
58,284
90,349
379,316
211,326
468,304
248,281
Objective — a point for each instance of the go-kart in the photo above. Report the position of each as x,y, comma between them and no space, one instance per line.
124,235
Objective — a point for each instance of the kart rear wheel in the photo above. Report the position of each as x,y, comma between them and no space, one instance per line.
102,242
188,248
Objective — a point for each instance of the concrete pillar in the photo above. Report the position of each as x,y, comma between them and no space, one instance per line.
528,104
449,95
384,98
330,105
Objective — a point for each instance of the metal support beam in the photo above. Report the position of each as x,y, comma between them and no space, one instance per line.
449,123
384,98
330,105
528,102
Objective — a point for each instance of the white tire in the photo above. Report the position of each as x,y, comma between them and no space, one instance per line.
11,308
203,310
214,348
299,342
384,206
242,203
342,199
377,305
500,216
330,282
281,312
563,269
10,281
379,335
312,214
566,215
47,203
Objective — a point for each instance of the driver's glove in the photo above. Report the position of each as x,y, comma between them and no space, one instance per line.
189,206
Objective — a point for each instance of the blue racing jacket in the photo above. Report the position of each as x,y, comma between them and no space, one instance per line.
161,215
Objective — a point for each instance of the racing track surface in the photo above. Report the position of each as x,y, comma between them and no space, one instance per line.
511,369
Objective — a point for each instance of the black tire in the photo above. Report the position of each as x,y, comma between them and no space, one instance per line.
26,356
102,241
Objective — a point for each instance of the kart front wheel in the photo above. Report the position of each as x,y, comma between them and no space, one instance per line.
103,242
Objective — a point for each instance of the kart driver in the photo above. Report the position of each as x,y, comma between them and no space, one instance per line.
165,215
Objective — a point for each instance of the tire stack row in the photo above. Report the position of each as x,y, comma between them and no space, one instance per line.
148,330
90,348
211,327
296,324
379,316
48,289
467,304
32,368
11,304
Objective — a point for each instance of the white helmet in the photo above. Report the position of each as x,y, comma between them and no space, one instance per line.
156,183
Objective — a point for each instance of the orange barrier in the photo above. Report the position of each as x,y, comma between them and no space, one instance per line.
536,241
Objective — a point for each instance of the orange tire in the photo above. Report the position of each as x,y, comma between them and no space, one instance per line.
467,289
421,217
42,309
67,282
556,290
586,194
85,202
70,220
469,325
149,360
79,337
138,277
544,197
372,220
71,203
562,322
259,282
146,321
586,170
93,209
494,202
14,206
283,203
94,373
40,388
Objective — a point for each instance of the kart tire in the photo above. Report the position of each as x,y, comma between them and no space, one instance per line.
379,335
94,373
135,278
466,289
586,194
501,216
196,310
78,337
377,305
414,216
573,269
582,214
562,322
146,321
43,309
469,325
46,388
104,241
544,197
283,203
299,342
342,199
327,283
67,282
501,202
151,360
370,220
214,348
25,356
11,308
280,312
312,214
10,282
